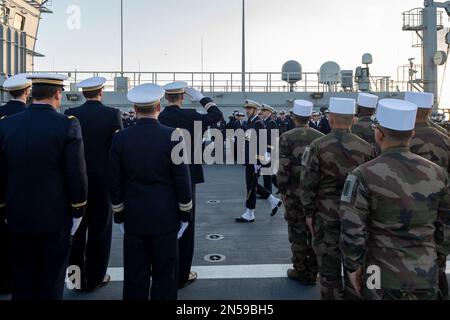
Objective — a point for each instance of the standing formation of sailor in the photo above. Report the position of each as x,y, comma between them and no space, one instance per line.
373,194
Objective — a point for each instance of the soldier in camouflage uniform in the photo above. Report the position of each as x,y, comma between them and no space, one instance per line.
367,104
394,211
292,147
432,145
325,166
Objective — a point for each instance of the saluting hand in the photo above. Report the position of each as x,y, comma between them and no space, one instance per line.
195,95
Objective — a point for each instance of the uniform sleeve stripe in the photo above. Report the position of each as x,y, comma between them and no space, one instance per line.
186,207
209,105
3,205
118,208
79,205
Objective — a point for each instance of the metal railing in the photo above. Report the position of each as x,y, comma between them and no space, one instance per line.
228,81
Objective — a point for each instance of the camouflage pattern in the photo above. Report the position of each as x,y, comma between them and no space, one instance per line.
432,145
292,147
438,127
325,166
394,211
363,129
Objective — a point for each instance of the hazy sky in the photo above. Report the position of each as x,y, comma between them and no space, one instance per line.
165,35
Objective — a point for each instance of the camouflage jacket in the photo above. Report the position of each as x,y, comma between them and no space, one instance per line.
292,147
363,129
391,210
438,127
325,166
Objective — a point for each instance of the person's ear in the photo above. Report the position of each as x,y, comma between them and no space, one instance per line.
158,108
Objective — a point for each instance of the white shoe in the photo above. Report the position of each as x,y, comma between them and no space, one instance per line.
275,203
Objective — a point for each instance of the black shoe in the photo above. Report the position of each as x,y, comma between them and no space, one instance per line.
242,220
275,210
304,278
104,283
192,277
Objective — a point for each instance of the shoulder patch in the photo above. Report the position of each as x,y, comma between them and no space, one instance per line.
3,118
306,157
72,117
349,189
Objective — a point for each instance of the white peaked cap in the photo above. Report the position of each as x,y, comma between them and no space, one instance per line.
397,115
343,106
303,108
92,84
146,95
423,100
17,82
368,100
178,87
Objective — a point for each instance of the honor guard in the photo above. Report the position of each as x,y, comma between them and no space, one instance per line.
429,143
367,105
92,242
292,146
325,165
43,189
19,88
255,127
151,198
394,213
176,117
271,127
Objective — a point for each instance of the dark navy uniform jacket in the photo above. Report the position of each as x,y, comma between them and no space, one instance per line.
176,117
270,125
43,181
252,135
99,123
11,108
153,191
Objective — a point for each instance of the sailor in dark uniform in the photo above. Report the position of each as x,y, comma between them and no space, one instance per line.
253,165
43,190
151,198
132,120
271,127
92,242
285,123
19,88
176,117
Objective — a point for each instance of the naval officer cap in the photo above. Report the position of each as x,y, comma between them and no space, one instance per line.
50,79
397,115
367,100
266,107
146,95
92,84
178,87
303,108
252,104
342,106
17,82
423,100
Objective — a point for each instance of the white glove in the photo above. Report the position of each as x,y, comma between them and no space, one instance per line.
75,225
183,227
195,95
267,157
122,228
257,168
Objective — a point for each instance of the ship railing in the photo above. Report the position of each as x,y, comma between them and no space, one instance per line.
229,81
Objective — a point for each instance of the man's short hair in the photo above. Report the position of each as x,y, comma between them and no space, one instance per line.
398,136
301,120
18,93
174,97
147,110
44,91
342,120
92,94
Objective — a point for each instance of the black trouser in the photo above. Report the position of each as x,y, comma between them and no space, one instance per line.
253,188
269,181
186,247
150,256
39,264
92,256
5,260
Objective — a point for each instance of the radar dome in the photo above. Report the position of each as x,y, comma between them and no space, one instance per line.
367,58
330,73
292,72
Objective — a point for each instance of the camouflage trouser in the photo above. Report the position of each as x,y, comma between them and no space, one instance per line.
303,256
443,281
326,245
390,294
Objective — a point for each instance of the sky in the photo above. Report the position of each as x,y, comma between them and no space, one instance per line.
166,35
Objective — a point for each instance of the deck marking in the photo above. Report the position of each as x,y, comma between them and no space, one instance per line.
260,271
